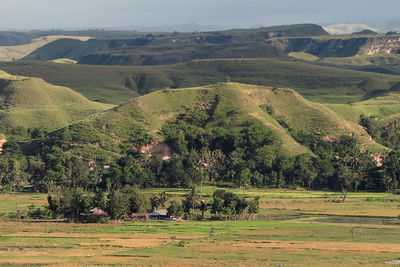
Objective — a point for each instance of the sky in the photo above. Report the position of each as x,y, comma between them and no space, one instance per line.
57,14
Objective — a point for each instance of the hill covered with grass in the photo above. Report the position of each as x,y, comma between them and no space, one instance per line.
229,105
117,84
31,102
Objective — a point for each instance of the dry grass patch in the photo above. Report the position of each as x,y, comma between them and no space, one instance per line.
31,261
126,243
337,246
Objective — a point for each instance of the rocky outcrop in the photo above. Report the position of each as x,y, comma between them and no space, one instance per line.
389,45
158,149
337,47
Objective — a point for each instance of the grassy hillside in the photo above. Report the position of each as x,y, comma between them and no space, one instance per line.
117,84
303,56
309,117
231,105
140,52
9,53
382,106
145,56
31,102
381,59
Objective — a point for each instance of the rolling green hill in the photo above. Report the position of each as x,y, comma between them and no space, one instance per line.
145,56
117,84
168,48
231,105
31,102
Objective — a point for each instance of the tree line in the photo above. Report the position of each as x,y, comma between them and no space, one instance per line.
246,155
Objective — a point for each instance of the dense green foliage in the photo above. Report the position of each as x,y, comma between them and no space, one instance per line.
384,132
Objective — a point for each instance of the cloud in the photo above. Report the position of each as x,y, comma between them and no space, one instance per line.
101,13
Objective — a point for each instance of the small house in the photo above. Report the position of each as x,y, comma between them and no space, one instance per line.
161,214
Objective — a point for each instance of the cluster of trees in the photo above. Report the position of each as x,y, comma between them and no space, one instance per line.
73,202
223,204
251,155
230,205
385,133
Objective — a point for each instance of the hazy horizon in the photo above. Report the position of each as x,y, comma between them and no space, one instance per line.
74,14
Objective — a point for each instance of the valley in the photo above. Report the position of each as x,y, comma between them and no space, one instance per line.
270,146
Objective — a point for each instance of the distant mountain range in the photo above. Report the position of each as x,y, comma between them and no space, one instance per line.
189,27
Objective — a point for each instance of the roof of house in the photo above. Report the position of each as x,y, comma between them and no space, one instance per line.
162,212
97,211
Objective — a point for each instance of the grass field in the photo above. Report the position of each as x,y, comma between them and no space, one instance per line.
296,228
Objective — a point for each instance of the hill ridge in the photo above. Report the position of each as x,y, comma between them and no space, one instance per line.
237,104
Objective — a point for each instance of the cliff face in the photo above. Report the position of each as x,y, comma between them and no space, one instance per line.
389,45
338,47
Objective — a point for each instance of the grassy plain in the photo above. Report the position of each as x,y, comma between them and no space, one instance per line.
296,228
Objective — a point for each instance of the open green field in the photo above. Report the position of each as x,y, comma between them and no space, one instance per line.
295,228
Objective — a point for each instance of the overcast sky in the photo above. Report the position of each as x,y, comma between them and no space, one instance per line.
28,14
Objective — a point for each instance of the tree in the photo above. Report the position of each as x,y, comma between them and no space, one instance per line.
77,172
175,209
304,172
228,203
217,206
391,171
253,207
138,201
190,200
39,132
242,178
117,204
159,200
203,208
73,202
